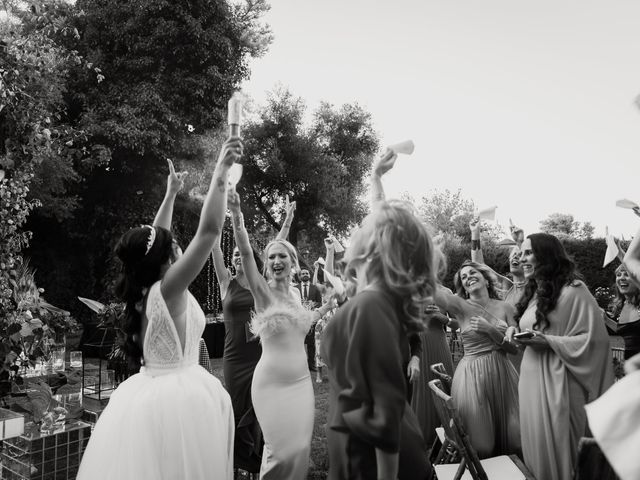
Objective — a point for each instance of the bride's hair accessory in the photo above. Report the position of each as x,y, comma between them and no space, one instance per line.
152,237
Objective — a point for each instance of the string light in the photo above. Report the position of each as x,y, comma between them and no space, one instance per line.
213,302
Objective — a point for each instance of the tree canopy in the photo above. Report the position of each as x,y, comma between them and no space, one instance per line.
564,225
321,166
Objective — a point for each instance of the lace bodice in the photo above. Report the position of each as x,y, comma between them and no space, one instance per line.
162,348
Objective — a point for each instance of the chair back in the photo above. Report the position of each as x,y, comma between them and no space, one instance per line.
441,374
591,464
455,432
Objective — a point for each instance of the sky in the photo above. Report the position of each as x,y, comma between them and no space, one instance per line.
527,105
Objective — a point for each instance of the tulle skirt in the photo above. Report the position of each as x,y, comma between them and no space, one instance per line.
176,425
485,392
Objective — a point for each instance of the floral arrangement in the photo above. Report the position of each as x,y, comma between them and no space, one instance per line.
29,327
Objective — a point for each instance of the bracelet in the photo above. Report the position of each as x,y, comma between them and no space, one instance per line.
475,244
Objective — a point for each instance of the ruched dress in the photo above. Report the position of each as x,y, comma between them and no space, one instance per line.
241,355
282,391
173,419
485,392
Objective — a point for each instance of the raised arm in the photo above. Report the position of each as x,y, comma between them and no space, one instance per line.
382,165
632,259
186,268
283,234
478,257
329,255
175,183
517,234
476,248
257,284
222,272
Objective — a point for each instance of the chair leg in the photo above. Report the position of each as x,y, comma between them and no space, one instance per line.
441,453
461,469
435,449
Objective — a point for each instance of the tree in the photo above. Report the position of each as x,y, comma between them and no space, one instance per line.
322,167
36,168
448,212
564,225
155,80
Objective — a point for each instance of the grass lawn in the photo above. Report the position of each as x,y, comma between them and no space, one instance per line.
319,463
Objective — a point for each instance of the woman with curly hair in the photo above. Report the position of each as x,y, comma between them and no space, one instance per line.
485,384
173,419
372,432
567,361
625,310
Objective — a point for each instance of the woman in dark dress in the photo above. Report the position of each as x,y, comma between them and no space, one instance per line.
241,355
625,310
372,432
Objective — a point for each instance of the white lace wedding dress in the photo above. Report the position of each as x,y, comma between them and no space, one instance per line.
173,420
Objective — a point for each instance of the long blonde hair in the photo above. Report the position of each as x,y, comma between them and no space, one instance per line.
401,258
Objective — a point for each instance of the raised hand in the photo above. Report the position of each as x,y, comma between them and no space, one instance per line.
233,200
290,207
175,180
516,233
384,163
474,226
231,151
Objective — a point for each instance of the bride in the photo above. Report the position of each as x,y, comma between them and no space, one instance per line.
281,391
173,419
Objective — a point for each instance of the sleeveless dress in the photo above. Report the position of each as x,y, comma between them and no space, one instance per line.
173,420
485,391
435,349
282,391
241,355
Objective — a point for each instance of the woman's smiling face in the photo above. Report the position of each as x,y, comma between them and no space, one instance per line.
278,262
472,279
528,259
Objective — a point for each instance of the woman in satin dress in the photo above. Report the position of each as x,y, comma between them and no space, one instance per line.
281,390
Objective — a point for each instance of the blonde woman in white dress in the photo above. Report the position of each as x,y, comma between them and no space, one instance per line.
281,391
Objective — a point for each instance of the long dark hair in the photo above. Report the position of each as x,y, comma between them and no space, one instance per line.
140,270
615,307
484,271
554,270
